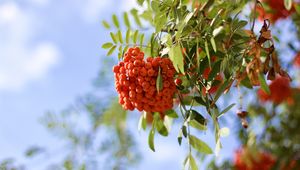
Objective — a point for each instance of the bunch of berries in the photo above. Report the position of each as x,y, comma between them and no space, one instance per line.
135,81
275,11
244,159
280,91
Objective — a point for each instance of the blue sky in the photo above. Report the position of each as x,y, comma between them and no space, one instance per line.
50,53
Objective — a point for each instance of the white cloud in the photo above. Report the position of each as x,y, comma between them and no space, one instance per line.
22,60
8,12
93,10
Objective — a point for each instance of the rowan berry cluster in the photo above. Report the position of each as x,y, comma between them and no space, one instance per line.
275,11
280,91
136,79
245,160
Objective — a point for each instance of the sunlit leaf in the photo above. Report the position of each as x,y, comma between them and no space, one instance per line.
151,139
142,39
116,21
126,20
171,113
107,45
207,52
135,36
113,37
288,4
105,24
213,44
120,36
127,36
159,81
217,30
134,13
263,84
197,125
111,50
193,163
226,109
199,145
176,57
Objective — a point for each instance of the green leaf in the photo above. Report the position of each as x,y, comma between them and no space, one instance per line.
222,89
107,45
105,24
152,41
159,22
155,5
213,44
135,15
226,110
120,36
151,139
288,4
115,21
159,125
142,39
193,163
127,36
194,115
199,145
188,17
176,57
68,164
142,122
125,48
199,100
214,71
120,52
113,37
171,113
184,130
111,50
197,125
297,7
263,84
179,138
217,31
135,36
126,20
140,2
33,151
159,81
207,53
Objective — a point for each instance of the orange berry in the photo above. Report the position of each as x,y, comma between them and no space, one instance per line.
122,70
143,72
126,59
116,69
151,72
137,63
139,89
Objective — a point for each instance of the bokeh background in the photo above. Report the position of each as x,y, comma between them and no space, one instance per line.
50,54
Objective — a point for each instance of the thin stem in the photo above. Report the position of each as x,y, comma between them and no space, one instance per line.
254,15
